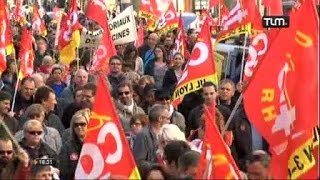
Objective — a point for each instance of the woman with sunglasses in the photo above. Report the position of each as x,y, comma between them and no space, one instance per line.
32,142
70,152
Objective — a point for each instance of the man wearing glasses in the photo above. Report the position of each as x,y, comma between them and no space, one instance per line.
126,106
32,142
8,168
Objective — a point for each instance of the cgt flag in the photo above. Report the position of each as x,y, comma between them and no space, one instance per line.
180,42
148,11
69,36
105,150
282,98
199,69
97,11
215,161
101,57
168,20
26,54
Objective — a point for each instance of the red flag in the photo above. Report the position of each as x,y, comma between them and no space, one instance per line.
106,49
6,46
239,20
96,11
258,46
199,69
18,11
168,20
140,33
69,36
215,161
281,100
26,54
148,11
274,7
38,24
213,3
180,42
105,150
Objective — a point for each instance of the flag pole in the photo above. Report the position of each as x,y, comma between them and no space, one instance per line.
243,55
6,129
56,39
16,87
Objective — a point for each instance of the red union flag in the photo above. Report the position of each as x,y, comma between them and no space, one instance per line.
26,54
168,20
258,46
148,11
282,98
106,49
215,161
96,11
180,42
199,69
105,150
38,24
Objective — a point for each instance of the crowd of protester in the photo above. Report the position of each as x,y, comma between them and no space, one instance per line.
49,114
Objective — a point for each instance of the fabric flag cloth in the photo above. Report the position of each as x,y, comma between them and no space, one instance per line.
274,7
6,44
105,150
38,24
69,36
180,42
140,33
168,20
6,34
213,3
101,57
26,54
97,11
239,20
199,69
148,11
18,12
282,98
259,43
216,161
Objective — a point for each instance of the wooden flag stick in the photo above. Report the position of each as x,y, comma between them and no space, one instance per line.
16,87
243,55
14,141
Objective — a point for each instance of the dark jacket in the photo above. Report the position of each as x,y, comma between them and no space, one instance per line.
68,113
142,51
52,120
5,87
149,70
12,123
21,105
145,147
69,157
195,114
42,150
170,81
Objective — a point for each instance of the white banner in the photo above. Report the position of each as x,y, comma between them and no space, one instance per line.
90,39
123,27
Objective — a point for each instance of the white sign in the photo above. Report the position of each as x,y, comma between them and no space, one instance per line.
123,27
90,39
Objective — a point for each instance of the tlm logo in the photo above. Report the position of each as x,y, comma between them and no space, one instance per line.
275,21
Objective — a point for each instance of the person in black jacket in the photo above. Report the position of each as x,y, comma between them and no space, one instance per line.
70,152
24,97
174,74
33,144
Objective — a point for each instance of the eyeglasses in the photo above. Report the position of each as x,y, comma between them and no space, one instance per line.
137,124
122,93
82,124
6,152
35,132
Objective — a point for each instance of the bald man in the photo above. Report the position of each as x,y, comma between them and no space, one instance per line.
146,51
80,79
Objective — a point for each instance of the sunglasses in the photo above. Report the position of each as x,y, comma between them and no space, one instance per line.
6,152
82,124
122,93
35,132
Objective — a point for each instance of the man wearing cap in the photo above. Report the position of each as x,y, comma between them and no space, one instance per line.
163,97
11,122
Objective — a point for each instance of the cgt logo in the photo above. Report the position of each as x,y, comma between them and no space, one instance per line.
275,21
